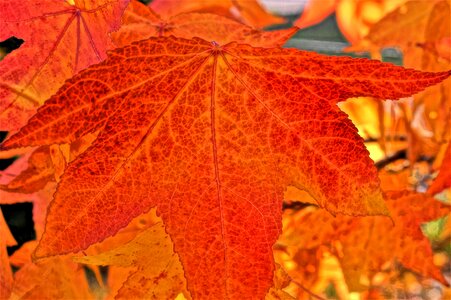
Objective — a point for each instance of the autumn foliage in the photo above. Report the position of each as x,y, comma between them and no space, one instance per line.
180,145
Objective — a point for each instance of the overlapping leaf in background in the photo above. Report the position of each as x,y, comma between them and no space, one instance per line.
151,254
384,242
141,22
6,277
249,12
54,278
60,39
354,17
421,30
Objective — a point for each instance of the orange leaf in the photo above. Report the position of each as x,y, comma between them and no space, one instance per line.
420,29
60,40
53,278
383,240
6,275
117,276
22,256
403,27
354,17
437,101
6,236
248,11
159,274
211,135
315,12
140,22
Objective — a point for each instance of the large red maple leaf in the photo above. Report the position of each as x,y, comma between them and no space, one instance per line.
211,135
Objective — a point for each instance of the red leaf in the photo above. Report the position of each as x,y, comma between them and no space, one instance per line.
140,22
211,135
59,40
